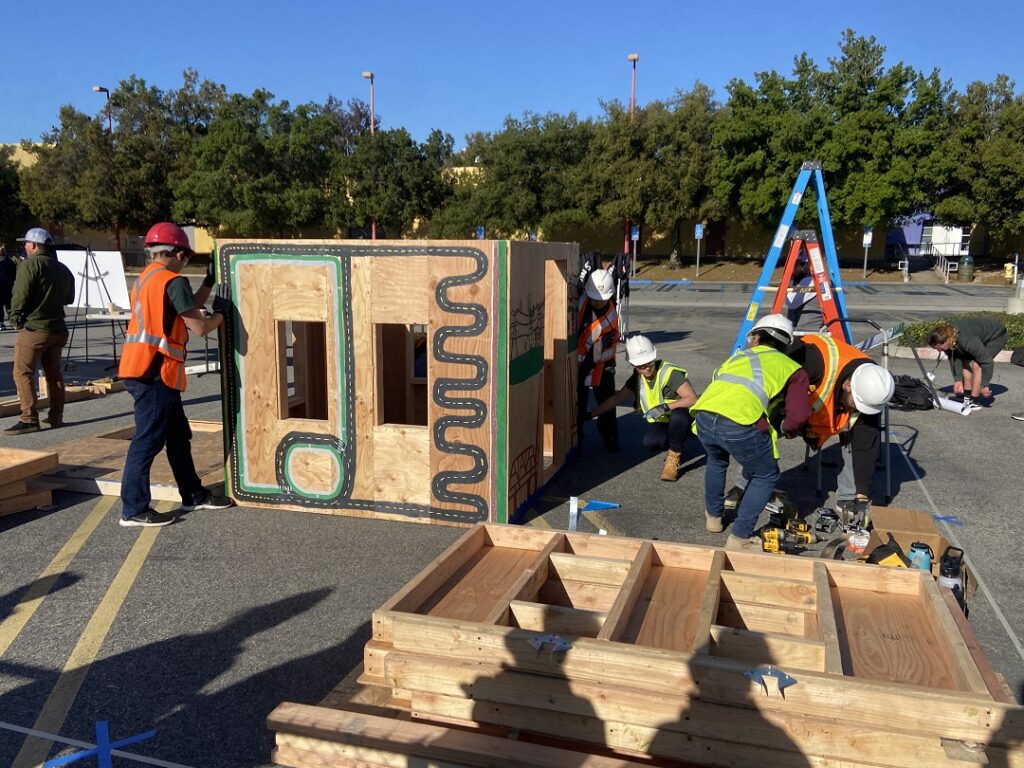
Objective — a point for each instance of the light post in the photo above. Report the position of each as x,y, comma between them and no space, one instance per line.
373,219
110,130
633,58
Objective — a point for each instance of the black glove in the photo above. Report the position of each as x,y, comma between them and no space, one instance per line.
209,280
222,299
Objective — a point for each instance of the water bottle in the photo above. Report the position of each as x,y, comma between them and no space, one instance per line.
951,573
920,556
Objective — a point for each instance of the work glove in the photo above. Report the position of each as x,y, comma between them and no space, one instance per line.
222,299
209,280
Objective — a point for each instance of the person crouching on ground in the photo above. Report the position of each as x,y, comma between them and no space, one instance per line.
597,327
663,394
971,343
736,417
164,310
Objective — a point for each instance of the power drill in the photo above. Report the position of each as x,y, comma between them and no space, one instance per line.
779,540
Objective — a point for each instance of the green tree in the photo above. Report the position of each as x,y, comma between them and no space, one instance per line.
14,214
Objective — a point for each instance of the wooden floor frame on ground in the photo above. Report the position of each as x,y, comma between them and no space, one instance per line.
654,651
21,484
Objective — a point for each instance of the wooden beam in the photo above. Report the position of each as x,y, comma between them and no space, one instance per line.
622,609
968,672
528,583
764,590
539,617
827,621
594,570
17,464
761,618
518,536
766,648
995,684
710,605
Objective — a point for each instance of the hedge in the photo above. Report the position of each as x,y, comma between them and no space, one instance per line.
917,333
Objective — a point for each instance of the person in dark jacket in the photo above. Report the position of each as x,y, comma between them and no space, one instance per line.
8,270
42,288
971,343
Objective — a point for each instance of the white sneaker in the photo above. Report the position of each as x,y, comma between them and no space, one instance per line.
971,404
1017,416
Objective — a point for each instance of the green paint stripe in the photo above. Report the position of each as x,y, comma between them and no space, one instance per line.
526,366
501,383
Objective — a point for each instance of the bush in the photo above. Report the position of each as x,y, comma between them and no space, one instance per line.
917,333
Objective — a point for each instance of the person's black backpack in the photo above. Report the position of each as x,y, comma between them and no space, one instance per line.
911,395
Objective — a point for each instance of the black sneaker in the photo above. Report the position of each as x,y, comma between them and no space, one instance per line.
21,428
732,498
53,424
148,519
209,501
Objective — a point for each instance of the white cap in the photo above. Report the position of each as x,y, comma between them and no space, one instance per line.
871,386
37,235
777,326
600,285
640,350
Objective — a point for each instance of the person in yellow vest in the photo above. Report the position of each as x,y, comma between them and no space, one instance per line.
738,417
847,394
597,333
662,392
164,310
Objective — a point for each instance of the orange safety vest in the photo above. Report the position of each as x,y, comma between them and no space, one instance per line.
827,419
602,332
145,338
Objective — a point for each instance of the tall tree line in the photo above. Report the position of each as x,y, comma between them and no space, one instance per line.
893,142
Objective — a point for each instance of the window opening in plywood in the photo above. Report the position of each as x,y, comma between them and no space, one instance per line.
302,369
402,361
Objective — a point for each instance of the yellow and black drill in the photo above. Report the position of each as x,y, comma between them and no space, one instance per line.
781,539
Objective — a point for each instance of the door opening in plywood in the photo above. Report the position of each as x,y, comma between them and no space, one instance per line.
402,374
302,369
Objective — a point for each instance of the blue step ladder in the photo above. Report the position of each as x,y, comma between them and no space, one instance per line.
810,169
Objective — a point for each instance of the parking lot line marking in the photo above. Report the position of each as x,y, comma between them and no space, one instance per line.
62,697
599,521
947,531
33,597
538,521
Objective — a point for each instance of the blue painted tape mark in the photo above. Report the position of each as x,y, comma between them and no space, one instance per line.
951,519
103,749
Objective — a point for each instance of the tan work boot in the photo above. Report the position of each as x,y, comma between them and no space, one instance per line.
670,473
713,524
736,544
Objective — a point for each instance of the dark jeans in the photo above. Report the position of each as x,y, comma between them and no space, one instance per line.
672,434
723,438
159,420
607,426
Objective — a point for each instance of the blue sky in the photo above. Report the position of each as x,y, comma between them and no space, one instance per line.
464,66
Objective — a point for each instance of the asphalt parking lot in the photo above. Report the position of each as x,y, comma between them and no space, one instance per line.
198,630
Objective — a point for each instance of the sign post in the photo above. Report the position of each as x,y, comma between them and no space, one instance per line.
867,245
698,235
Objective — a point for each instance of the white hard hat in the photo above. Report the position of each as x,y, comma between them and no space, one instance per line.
600,285
640,350
871,386
777,326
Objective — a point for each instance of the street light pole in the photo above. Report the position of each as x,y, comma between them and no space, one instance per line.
373,118
110,130
627,224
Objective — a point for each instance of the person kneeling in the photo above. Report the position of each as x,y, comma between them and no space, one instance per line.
664,395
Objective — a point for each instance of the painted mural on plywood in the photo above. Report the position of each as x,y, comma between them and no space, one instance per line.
282,451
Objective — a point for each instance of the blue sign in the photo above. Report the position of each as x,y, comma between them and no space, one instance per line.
634,232
698,231
479,233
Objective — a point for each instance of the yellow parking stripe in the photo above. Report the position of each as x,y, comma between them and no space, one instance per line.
538,521
33,598
599,521
62,697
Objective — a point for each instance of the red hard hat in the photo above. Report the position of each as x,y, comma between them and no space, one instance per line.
166,233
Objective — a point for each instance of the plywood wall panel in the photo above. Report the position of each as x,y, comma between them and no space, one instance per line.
364,376
398,294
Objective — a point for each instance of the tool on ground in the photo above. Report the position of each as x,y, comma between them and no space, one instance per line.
781,510
921,556
890,553
829,269
795,536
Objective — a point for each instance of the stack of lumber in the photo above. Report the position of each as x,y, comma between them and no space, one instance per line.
96,464
72,394
623,651
21,484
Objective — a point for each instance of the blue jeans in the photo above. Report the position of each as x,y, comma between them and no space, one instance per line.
159,420
723,438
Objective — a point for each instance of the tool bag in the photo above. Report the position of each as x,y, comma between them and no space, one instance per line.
911,394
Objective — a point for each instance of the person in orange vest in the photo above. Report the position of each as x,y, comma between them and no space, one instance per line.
848,391
597,331
164,310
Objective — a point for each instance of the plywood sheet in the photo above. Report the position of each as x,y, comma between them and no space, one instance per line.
470,593
398,289
667,613
401,463
18,464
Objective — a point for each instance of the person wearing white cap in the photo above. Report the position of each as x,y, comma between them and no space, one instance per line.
597,333
847,393
663,393
42,288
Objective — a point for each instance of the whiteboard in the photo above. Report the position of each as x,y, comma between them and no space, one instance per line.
102,284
